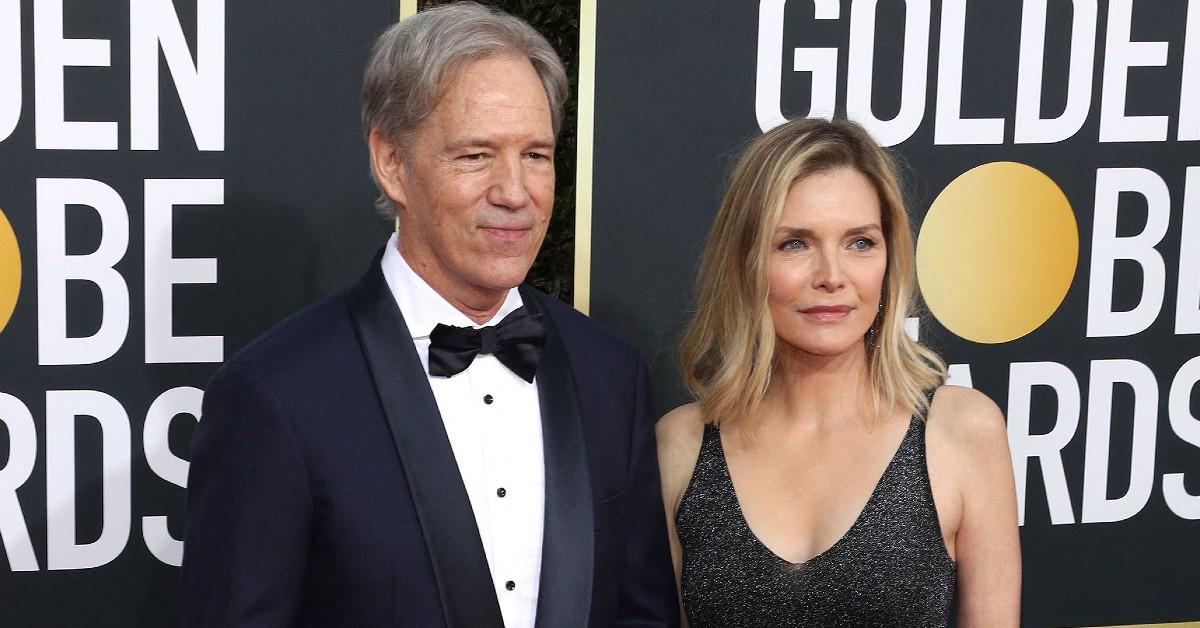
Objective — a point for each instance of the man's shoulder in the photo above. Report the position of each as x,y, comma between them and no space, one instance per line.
581,331
308,336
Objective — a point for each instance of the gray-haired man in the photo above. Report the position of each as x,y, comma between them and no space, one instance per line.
436,446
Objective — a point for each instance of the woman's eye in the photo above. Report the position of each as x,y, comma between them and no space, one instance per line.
791,244
862,244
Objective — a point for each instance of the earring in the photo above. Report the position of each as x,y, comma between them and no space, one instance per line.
873,331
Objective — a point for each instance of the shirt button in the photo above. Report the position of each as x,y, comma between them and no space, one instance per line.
488,399
500,492
510,585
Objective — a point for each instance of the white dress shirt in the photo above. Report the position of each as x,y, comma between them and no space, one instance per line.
494,423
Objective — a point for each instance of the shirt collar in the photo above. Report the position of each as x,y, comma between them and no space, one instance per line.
423,308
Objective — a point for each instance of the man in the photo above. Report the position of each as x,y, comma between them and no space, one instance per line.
436,446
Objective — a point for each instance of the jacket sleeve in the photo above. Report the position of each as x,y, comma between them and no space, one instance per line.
648,596
249,509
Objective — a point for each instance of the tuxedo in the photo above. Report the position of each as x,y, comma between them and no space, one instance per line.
323,489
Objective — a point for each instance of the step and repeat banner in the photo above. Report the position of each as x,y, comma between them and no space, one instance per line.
175,177
1051,155
178,175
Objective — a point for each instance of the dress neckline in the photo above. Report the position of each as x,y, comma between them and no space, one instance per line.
741,515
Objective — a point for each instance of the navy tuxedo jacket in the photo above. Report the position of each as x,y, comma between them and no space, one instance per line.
323,490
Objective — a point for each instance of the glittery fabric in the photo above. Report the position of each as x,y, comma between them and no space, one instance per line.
890,569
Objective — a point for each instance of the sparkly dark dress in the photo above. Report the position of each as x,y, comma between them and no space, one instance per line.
890,569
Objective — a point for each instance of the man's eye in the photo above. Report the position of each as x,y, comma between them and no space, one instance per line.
472,157
537,156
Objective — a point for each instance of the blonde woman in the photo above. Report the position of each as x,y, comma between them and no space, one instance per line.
824,476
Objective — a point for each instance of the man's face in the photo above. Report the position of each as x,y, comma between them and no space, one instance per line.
474,187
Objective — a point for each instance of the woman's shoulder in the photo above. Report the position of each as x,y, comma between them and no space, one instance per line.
968,423
680,433
965,413
685,422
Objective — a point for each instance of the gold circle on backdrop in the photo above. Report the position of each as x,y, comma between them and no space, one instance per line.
10,270
997,252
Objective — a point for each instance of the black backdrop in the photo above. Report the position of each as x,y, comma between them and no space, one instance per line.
295,222
678,86
285,216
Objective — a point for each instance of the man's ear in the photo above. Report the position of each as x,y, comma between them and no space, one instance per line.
387,165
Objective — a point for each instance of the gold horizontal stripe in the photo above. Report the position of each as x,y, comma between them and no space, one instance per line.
1185,624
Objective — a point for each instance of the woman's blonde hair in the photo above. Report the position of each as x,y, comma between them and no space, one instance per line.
728,348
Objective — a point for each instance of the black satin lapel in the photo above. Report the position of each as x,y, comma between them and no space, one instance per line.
565,593
439,496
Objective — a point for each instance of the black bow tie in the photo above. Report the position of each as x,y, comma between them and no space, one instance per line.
516,341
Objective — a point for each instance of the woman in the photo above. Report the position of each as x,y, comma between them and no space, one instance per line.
824,477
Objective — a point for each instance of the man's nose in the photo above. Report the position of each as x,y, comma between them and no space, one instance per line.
508,187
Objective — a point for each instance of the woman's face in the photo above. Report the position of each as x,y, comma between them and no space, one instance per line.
827,263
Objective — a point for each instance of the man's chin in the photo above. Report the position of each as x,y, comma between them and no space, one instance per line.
504,275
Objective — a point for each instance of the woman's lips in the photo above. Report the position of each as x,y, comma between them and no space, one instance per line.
827,313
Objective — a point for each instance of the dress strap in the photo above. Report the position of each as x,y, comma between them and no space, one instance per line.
929,401
705,490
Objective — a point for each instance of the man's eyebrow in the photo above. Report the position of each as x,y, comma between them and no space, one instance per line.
471,141
541,142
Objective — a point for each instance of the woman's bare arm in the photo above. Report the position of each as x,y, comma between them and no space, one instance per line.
679,433
986,543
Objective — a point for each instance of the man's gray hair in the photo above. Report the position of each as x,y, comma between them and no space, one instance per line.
411,59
